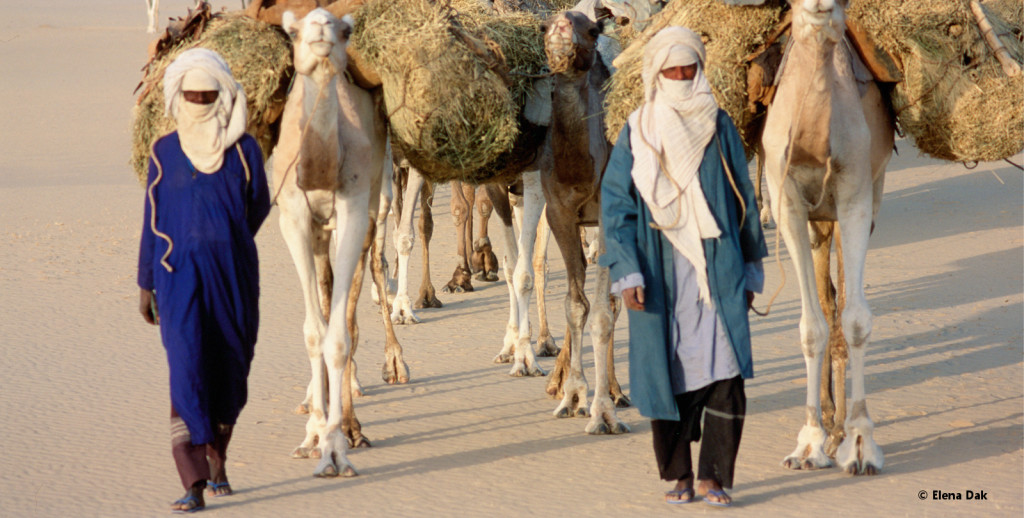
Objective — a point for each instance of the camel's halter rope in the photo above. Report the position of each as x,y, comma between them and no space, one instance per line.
305,129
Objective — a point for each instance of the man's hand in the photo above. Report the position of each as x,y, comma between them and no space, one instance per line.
750,300
634,298
147,306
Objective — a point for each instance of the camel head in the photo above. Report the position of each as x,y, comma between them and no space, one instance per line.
570,43
822,20
636,13
319,38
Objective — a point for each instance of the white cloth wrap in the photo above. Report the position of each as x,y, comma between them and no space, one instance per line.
205,131
668,136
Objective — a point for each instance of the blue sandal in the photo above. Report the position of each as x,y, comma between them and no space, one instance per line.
190,503
719,494
214,487
679,496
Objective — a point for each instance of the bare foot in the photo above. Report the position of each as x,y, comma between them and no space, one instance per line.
713,494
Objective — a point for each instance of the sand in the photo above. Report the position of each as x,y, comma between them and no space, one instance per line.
84,397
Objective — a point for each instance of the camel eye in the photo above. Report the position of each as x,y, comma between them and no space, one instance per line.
544,28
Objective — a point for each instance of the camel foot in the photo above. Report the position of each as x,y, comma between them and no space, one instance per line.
461,282
523,369
483,261
486,276
809,452
395,371
546,347
334,462
301,409
620,400
766,219
427,300
304,452
359,441
503,358
859,454
402,312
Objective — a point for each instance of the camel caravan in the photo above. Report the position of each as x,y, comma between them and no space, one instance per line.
362,103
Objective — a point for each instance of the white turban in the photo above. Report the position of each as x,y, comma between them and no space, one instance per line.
205,131
669,135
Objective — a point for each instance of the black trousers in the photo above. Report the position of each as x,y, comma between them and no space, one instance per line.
723,405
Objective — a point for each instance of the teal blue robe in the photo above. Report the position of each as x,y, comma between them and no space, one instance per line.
633,246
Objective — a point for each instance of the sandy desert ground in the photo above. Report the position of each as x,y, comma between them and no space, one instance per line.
83,389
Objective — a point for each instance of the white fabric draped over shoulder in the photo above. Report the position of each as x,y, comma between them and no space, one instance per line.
668,136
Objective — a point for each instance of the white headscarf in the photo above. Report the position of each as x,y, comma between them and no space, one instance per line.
669,135
205,130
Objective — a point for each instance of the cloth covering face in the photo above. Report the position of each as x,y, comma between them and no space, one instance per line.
208,297
669,135
205,131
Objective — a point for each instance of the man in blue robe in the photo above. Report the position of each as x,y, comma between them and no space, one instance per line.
206,197
685,248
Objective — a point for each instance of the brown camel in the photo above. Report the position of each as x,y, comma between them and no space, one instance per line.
579,153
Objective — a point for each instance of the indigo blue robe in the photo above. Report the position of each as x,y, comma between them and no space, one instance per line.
633,246
208,301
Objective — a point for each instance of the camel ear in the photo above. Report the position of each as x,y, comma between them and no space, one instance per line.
345,26
289,25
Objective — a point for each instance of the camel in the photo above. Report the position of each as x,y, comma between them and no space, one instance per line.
579,152
827,139
327,176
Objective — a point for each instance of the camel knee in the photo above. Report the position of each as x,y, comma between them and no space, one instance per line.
813,337
523,282
857,324
404,244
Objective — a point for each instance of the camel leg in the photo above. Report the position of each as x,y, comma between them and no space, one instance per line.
821,249
462,212
350,425
762,204
387,196
614,389
394,369
402,312
484,263
352,223
569,365
858,454
839,352
510,252
428,296
524,361
603,418
546,345
298,235
792,218
152,13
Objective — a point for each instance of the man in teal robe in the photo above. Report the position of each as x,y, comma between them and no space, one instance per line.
644,261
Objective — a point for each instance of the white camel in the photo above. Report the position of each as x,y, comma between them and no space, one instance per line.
327,172
827,139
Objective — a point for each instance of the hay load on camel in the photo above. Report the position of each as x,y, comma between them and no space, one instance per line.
956,98
263,74
455,79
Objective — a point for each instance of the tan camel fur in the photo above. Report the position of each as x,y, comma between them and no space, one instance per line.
827,139
340,122
579,153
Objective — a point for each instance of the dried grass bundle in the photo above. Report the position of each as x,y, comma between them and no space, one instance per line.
260,57
455,78
730,33
955,101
